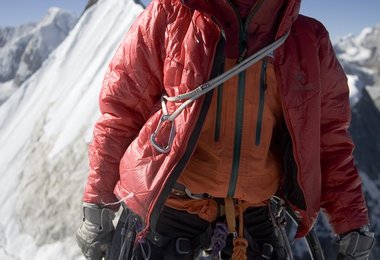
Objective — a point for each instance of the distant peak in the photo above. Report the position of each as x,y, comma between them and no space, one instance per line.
56,11
53,10
56,16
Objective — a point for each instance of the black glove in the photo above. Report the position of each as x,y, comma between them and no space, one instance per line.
94,236
356,245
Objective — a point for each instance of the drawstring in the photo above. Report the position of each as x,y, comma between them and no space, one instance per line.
240,244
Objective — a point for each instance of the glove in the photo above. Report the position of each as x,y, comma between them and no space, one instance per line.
356,244
94,236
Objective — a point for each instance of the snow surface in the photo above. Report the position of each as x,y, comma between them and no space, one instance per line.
354,50
45,127
6,90
354,89
355,54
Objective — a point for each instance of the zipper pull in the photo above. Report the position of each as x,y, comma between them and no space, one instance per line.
242,55
243,48
243,43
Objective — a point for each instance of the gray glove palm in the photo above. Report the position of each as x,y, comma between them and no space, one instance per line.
94,236
356,245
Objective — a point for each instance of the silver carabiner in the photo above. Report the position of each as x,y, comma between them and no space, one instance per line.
163,149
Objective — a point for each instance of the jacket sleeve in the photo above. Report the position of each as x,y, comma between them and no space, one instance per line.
342,197
131,87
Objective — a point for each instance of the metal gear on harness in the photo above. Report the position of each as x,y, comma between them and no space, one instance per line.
277,216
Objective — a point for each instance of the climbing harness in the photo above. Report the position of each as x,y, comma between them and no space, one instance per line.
279,212
191,96
213,241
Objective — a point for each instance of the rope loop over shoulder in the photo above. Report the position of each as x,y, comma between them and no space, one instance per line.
191,96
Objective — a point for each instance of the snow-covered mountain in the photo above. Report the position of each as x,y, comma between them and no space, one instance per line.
23,49
45,127
360,57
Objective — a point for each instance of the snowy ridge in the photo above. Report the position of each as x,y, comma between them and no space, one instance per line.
23,49
45,128
360,57
351,47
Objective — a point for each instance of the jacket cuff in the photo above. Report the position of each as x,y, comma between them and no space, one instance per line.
344,227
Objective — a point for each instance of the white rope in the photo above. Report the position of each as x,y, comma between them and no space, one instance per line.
213,83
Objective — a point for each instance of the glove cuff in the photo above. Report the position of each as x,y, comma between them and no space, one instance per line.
99,216
357,243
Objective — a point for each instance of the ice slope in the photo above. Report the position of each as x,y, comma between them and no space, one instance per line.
44,131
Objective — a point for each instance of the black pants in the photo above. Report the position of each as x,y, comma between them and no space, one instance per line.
178,230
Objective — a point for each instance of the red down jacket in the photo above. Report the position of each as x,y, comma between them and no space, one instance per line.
171,48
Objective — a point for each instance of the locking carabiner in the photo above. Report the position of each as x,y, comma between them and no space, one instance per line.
163,149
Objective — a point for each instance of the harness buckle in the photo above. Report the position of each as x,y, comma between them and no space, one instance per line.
183,246
194,196
277,211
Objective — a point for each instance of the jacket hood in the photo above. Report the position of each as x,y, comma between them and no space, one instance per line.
244,6
212,7
266,21
292,8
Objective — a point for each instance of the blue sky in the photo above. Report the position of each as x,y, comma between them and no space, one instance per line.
339,16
